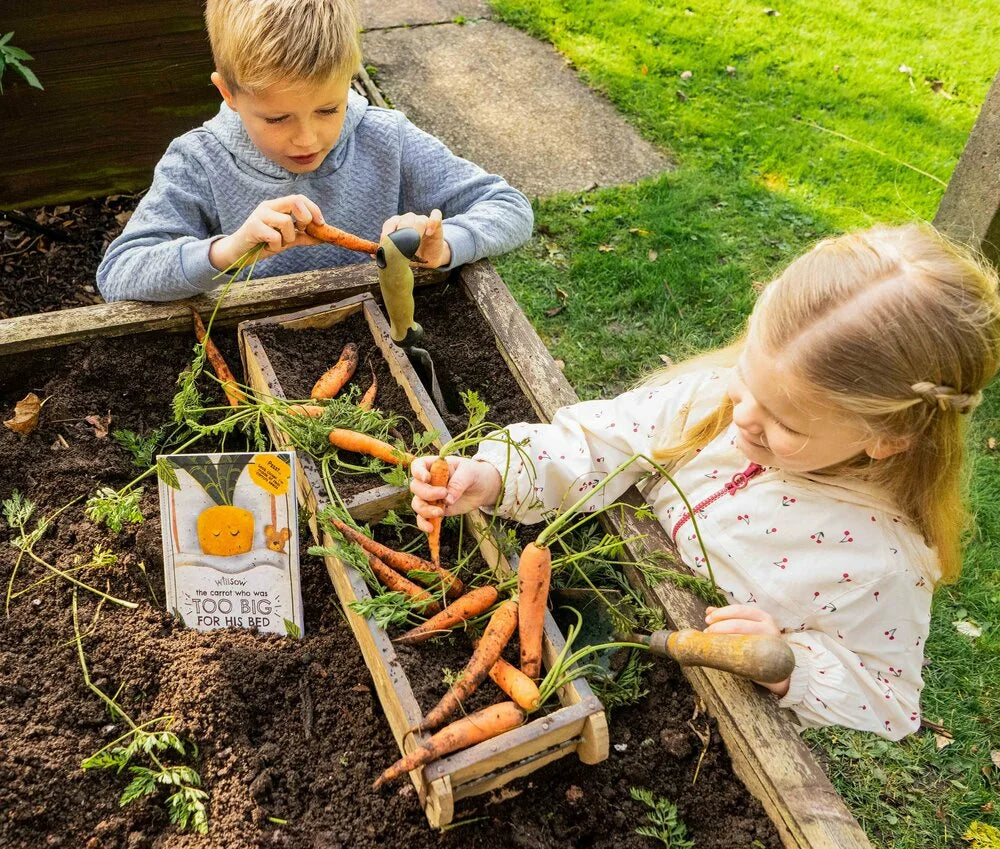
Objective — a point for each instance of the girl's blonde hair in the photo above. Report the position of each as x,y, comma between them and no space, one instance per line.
896,325
257,43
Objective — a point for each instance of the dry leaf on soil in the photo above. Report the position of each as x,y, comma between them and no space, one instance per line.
995,758
606,248
100,424
25,414
970,629
943,741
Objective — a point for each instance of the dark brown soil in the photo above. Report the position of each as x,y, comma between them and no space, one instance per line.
290,733
44,270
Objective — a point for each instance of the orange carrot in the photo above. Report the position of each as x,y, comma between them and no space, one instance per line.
233,394
471,604
394,581
533,573
439,477
326,233
467,731
362,443
311,410
498,632
334,378
515,684
368,399
401,561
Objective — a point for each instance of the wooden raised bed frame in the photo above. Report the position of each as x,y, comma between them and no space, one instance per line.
579,725
766,751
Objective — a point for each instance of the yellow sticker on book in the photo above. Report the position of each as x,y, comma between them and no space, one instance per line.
270,473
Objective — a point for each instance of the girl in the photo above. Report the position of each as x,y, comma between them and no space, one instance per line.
822,452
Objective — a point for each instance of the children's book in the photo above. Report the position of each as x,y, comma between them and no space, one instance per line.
230,541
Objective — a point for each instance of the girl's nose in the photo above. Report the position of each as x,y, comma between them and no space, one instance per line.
746,414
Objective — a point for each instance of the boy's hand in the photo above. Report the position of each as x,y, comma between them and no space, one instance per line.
745,619
276,223
434,251
472,483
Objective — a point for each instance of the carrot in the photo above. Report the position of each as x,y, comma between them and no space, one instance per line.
440,474
482,725
461,610
533,573
515,684
234,395
394,581
326,233
334,378
362,443
401,561
311,410
498,632
368,399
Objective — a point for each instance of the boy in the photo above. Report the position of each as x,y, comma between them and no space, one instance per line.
293,144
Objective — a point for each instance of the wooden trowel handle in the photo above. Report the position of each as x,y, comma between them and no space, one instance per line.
755,656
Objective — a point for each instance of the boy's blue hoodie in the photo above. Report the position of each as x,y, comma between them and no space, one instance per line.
211,179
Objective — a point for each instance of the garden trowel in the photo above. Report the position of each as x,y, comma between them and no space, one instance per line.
395,278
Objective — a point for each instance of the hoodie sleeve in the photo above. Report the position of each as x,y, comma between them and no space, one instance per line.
162,254
483,215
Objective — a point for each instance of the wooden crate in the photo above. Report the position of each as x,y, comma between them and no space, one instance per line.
766,751
579,725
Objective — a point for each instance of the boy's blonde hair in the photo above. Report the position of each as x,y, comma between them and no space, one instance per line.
898,326
257,43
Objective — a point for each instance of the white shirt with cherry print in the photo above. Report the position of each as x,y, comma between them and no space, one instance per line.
846,579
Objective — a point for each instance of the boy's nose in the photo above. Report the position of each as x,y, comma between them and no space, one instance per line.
305,137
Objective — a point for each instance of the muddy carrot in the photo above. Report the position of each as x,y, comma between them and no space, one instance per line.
401,561
498,632
233,394
362,443
515,684
533,574
462,609
334,378
467,731
439,477
326,233
394,581
368,399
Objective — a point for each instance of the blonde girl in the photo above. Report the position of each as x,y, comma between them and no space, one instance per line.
822,452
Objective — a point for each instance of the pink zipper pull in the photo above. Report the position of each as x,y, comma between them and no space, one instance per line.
741,479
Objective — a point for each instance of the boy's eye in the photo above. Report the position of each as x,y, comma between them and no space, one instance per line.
332,111
275,120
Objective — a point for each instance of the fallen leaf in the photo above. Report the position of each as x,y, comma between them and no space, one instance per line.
681,96
25,414
123,217
502,795
574,794
638,231
666,360
606,248
970,629
905,69
991,443
100,424
937,86
562,294
644,70
652,255
987,808
943,741
686,75
836,69
731,70
551,312
772,12
995,758
61,210
560,364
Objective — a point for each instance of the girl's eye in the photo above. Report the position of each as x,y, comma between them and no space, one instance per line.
786,428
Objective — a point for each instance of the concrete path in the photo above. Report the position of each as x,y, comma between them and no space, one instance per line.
500,98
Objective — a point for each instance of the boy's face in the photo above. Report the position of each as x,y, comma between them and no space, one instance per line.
294,124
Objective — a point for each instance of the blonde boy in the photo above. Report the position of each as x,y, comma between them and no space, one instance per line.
292,143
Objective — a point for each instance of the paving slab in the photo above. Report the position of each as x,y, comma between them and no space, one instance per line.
510,104
396,13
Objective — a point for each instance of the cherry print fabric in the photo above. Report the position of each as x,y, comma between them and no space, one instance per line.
846,579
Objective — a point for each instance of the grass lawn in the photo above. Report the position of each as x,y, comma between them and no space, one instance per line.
824,117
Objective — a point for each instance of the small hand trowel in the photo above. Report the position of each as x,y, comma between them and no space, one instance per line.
759,657
395,279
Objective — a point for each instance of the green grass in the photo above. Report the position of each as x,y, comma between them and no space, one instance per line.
756,183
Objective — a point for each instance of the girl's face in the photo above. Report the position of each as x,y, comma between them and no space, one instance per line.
781,423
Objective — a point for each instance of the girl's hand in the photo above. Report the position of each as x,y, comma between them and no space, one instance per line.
434,251
278,224
745,619
472,484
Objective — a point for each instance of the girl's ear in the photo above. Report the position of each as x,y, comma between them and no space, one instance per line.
880,449
220,84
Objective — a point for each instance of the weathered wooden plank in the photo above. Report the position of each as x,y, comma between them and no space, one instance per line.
766,751
242,301
970,208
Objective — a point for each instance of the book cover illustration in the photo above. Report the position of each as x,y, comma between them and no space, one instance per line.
230,541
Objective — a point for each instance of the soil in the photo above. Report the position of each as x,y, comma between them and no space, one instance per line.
290,732
52,265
